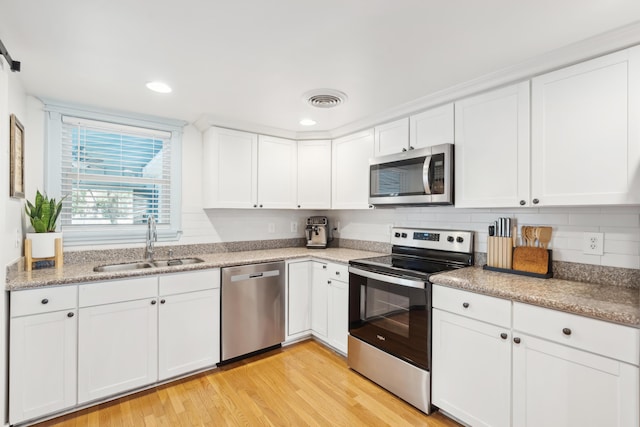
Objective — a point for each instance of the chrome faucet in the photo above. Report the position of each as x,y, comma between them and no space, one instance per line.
152,237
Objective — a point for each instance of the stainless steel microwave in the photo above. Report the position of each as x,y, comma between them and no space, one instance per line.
414,177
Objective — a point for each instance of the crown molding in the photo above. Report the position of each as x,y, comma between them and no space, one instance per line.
583,50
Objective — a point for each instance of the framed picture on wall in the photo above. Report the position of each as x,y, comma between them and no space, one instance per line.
16,182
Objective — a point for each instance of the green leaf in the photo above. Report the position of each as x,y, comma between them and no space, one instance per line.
38,226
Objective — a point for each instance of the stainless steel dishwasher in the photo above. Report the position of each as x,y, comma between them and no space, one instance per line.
252,308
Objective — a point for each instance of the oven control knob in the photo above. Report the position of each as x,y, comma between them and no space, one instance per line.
397,234
404,235
459,239
450,239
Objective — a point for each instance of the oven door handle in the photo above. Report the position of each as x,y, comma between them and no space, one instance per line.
387,278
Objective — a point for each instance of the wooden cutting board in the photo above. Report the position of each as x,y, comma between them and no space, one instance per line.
530,259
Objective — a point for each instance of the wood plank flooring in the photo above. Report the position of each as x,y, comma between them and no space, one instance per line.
305,384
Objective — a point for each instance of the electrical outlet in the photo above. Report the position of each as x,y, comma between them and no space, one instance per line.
18,237
271,227
294,227
338,227
593,243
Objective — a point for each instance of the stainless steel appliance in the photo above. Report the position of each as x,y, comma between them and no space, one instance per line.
415,177
252,308
317,232
390,309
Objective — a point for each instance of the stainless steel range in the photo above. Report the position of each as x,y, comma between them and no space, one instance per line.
390,309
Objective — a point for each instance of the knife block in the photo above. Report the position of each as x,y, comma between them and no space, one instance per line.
500,252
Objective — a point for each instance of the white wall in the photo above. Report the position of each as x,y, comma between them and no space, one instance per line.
620,225
12,100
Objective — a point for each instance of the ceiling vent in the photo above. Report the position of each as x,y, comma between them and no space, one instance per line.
325,98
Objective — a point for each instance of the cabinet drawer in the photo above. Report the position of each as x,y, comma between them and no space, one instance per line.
43,300
189,282
338,272
117,291
476,306
597,336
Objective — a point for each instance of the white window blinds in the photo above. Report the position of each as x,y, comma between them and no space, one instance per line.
114,174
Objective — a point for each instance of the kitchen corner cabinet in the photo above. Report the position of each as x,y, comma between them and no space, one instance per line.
314,174
471,363
298,299
350,170
229,169
117,337
432,127
188,322
43,348
492,148
392,138
586,133
277,173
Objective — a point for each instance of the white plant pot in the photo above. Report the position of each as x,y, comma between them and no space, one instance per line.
43,245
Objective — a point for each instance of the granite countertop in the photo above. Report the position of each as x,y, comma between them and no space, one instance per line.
78,273
611,303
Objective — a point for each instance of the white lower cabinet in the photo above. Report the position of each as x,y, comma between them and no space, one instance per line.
319,299
42,360
189,332
117,347
188,322
338,327
298,299
471,359
544,368
571,370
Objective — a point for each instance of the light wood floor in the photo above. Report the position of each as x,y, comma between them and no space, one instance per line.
300,385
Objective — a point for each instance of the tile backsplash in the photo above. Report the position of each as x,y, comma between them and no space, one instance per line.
620,225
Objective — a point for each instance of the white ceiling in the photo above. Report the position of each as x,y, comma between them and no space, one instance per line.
250,61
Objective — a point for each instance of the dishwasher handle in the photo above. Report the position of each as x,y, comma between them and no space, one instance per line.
250,276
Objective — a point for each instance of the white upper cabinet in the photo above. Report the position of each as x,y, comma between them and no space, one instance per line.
350,170
492,148
277,172
586,132
432,127
314,174
229,169
391,138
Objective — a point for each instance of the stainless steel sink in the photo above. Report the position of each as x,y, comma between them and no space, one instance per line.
122,267
177,261
143,264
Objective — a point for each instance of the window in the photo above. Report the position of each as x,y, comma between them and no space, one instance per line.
114,172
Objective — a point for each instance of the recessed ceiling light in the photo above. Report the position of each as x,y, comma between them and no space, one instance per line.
307,122
159,87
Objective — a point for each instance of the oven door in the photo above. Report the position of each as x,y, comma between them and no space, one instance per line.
391,313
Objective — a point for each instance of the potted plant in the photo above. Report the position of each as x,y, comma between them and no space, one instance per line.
43,215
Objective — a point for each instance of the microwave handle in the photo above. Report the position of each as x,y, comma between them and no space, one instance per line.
426,172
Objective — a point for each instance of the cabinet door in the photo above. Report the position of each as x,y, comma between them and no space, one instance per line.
277,172
350,171
189,332
314,174
319,299
392,138
492,148
229,169
338,315
586,132
432,127
299,298
42,364
117,348
471,377
558,385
